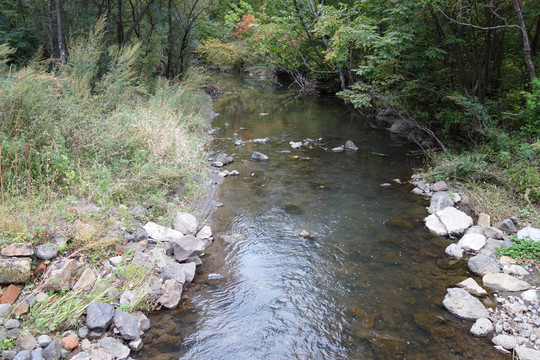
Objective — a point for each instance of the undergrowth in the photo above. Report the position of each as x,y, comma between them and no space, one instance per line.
522,249
94,132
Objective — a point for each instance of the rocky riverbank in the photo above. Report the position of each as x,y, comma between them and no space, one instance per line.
502,300
149,272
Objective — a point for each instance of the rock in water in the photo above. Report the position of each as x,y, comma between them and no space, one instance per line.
259,156
127,324
261,141
448,221
472,287
295,144
454,250
171,293
482,327
224,158
463,305
338,149
349,145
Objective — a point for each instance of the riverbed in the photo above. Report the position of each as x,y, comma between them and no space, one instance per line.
367,283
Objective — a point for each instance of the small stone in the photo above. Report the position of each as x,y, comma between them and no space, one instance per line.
9,354
482,327
472,242
21,309
258,156
128,297
205,232
99,316
23,355
454,250
18,249
46,251
261,141
10,295
507,260
171,293
144,323
338,149
508,226
217,164
101,354
27,341
70,342
385,185
61,275
83,355
114,347
86,280
439,186
127,324
44,340
37,354
482,265
136,345
53,351
4,310
349,145
484,220
525,353
417,191
506,341
493,232
515,270
304,234
85,345
12,324
83,332
532,296
440,200
472,287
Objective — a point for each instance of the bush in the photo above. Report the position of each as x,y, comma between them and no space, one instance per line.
225,56
522,249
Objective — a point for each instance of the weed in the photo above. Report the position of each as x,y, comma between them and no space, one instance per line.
522,249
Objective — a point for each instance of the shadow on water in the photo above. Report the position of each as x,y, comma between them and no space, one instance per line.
367,284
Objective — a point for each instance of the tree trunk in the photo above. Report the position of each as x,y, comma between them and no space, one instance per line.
120,25
169,71
526,45
50,33
61,45
136,22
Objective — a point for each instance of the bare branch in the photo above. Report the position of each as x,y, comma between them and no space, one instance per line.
477,26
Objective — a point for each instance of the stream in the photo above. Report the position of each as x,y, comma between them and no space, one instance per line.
369,281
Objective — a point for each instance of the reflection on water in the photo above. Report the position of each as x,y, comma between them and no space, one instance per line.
367,284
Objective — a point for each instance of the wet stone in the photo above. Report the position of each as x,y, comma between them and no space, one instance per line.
292,209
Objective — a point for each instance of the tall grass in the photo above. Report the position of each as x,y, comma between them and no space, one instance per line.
93,131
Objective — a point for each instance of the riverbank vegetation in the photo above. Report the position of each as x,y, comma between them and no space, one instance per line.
458,77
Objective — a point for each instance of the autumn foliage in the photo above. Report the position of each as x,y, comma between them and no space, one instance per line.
245,26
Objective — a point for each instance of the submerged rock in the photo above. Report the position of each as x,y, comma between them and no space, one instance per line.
292,209
258,156
472,287
349,145
440,200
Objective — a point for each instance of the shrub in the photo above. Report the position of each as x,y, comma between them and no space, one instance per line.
223,55
522,249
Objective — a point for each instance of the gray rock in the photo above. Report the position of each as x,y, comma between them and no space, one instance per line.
239,142
26,341
86,280
44,340
515,270
532,296
463,305
83,355
508,226
154,230
174,271
127,297
504,282
139,211
476,229
37,354
142,259
529,232
385,185
15,270
400,126
472,287
491,247
83,332
127,324
64,353
23,355
185,223
417,191
191,244
195,259
261,141
12,333
472,242
46,251
217,164
454,250
99,316
340,148
12,324
4,309
224,158
144,323
448,221
349,145
506,341
171,293
189,271
493,232
204,233
135,345
9,354
53,351
525,353
440,200
258,156
114,347
482,328
482,265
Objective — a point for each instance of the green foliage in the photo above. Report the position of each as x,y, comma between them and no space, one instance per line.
522,249
531,112
230,55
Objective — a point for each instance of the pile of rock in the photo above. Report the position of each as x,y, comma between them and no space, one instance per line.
516,321
171,255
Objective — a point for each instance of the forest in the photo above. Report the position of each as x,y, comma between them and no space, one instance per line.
461,75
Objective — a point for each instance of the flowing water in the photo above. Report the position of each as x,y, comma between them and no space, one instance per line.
367,284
